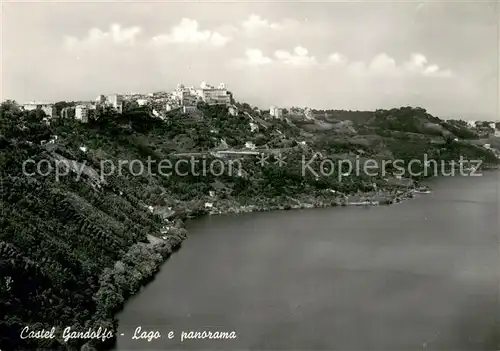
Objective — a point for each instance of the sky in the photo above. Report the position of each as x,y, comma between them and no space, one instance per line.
442,56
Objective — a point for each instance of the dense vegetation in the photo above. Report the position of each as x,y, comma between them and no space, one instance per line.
73,249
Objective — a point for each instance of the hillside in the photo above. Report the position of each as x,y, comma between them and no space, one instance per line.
74,248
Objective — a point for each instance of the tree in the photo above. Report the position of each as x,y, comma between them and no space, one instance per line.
130,105
62,104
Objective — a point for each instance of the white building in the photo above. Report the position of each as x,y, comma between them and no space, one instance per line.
82,112
471,124
250,145
214,96
233,111
308,113
189,96
187,109
204,85
185,96
142,102
276,112
31,106
48,109
116,101
171,106
101,99
66,112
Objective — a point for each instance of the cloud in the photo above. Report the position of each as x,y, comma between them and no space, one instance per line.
299,57
255,24
187,31
431,69
95,37
383,63
418,65
255,57
337,58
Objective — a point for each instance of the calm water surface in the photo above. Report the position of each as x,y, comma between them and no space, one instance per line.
419,275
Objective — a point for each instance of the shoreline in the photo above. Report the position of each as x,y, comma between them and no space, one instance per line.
156,252
410,208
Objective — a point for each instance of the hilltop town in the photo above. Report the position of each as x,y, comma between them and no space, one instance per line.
182,98
186,99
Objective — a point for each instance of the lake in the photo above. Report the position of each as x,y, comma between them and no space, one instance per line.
423,274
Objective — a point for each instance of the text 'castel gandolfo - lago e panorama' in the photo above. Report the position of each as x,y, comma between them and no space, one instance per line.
139,334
